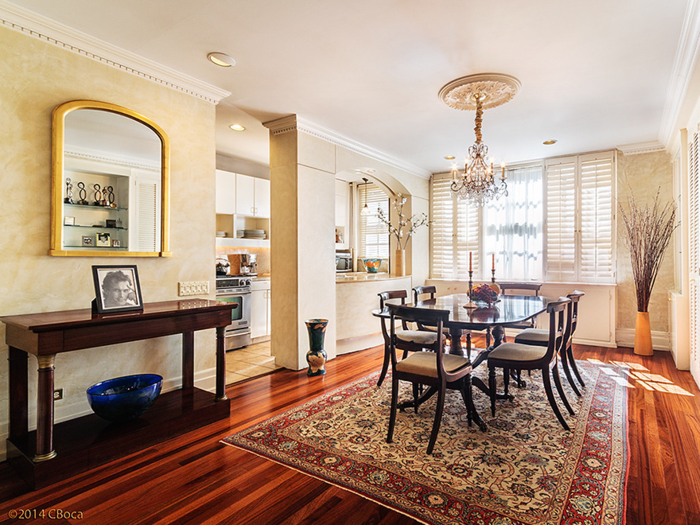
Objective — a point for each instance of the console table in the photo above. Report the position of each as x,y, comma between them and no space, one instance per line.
53,452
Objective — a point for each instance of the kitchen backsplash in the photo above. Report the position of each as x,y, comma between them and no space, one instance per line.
262,253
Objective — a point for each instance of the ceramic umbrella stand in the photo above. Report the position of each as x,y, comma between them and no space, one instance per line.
316,356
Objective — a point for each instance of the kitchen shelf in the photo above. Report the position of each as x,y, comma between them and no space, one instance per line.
98,227
238,241
92,207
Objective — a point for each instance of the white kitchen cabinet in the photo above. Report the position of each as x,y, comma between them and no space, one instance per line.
342,219
225,192
260,306
252,196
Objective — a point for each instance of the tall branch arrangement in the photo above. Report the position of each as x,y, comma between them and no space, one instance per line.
648,230
409,226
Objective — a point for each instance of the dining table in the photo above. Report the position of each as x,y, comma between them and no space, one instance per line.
489,318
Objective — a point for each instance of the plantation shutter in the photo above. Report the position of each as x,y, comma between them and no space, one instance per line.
373,235
694,248
147,211
442,248
468,227
596,214
561,219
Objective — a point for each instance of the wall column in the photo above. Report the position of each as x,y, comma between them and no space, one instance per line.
302,240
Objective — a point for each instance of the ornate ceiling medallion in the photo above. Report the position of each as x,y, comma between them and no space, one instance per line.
494,88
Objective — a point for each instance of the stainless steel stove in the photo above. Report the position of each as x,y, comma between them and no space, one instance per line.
236,289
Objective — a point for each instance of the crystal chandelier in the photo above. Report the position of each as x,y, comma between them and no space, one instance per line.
478,182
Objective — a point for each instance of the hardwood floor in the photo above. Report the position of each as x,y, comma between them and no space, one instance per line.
195,479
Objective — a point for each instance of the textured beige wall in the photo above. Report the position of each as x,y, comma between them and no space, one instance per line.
644,175
37,77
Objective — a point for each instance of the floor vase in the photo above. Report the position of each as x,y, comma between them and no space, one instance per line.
400,263
642,335
316,356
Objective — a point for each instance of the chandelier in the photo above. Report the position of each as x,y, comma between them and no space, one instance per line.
478,182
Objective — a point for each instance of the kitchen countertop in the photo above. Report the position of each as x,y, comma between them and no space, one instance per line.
355,277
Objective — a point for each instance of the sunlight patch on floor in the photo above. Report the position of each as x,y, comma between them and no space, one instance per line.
636,375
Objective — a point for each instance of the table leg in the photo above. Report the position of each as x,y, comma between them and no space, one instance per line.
44,404
220,365
187,360
416,403
456,341
19,397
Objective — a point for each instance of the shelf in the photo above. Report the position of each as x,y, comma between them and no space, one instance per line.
248,243
80,246
92,207
98,227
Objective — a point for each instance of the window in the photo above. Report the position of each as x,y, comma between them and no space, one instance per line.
580,218
373,235
557,223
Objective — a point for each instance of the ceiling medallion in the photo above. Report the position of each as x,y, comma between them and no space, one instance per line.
476,183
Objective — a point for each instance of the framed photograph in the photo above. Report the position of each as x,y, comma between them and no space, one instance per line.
88,240
103,239
69,221
117,289
111,223
116,243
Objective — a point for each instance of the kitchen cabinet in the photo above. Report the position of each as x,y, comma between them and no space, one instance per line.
225,192
342,220
252,196
260,307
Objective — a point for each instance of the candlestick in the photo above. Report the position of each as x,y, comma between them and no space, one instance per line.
470,304
493,275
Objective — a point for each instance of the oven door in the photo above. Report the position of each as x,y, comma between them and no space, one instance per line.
240,317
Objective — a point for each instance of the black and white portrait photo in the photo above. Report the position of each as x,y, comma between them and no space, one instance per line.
117,288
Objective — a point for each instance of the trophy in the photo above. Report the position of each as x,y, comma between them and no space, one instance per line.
69,192
99,201
82,193
109,202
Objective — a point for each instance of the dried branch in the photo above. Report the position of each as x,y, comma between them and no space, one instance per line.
649,231
412,223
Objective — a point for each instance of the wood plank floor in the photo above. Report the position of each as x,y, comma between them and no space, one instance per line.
195,479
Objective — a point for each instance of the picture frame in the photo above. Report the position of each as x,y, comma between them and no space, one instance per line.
69,221
88,240
103,239
111,223
116,243
117,288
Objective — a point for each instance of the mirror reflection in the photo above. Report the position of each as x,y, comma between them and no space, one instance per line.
109,182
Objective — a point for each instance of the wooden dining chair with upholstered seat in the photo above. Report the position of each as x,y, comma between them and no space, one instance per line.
539,337
407,340
518,356
419,291
435,369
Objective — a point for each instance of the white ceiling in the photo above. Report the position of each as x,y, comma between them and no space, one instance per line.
595,74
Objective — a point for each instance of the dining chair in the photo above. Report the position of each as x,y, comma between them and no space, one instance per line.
520,289
539,337
407,340
435,369
419,291
531,357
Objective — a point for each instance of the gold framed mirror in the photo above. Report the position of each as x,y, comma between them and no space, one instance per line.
110,182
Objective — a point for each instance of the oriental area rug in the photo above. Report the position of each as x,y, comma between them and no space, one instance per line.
526,469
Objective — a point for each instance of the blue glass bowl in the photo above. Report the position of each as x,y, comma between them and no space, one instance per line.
124,398
371,265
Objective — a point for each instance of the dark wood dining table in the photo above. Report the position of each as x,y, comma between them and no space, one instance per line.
509,309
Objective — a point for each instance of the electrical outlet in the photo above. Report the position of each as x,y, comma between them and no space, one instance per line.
58,394
193,288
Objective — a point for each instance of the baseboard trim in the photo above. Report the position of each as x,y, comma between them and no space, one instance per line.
659,340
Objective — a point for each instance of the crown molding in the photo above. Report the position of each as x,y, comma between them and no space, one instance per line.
641,147
683,65
297,123
32,24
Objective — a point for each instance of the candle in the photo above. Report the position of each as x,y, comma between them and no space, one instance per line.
493,261
470,261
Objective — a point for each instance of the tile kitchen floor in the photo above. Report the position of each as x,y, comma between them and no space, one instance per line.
251,361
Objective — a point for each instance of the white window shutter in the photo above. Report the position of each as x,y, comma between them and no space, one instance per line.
560,223
373,235
694,248
442,250
596,218
468,239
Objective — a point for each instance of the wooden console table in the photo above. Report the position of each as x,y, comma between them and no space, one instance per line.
52,453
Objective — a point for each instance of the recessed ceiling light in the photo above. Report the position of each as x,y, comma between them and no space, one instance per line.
221,59
370,170
450,157
549,142
237,127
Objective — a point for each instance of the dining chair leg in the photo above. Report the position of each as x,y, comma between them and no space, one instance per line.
572,361
492,390
394,403
567,371
385,365
506,380
550,396
438,418
416,394
557,382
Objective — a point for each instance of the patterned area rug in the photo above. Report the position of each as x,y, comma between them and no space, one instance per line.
524,470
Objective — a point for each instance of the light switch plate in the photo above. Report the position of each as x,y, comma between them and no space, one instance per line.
193,288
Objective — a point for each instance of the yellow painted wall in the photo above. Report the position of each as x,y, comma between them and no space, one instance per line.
643,174
35,78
